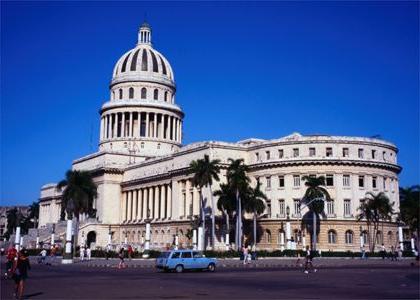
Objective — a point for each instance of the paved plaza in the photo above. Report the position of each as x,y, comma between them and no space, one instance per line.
263,279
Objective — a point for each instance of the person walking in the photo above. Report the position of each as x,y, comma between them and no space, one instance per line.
130,252
11,256
43,256
393,256
108,250
308,261
88,253
121,257
20,273
82,253
383,252
363,251
245,254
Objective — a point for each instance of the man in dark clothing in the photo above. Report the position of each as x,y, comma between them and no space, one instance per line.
20,272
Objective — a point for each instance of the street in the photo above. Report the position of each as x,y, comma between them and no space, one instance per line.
335,279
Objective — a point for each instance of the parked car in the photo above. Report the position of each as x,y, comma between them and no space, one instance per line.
180,260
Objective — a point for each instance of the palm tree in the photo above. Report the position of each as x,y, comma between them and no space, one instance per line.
255,204
373,209
78,193
34,214
204,172
410,207
312,198
226,204
14,218
238,182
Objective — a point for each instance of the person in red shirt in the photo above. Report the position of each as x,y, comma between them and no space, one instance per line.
130,252
11,256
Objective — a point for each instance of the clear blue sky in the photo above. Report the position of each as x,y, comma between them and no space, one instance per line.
242,70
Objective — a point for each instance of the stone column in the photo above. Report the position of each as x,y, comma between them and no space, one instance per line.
130,205
124,200
139,204
101,130
115,130
173,128
109,126
137,134
130,126
147,124
180,131
123,125
169,201
164,134
157,204
162,202
145,202
150,201
154,125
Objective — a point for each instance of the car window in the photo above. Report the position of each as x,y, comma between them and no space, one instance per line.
197,254
186,254
176,255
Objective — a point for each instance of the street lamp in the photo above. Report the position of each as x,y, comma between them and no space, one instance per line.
288,229
53,235
281,236
147,242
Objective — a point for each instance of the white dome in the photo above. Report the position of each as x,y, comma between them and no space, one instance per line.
143,63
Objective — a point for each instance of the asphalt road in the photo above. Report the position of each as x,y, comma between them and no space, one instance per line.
78,281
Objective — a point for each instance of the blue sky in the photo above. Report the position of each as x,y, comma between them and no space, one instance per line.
242,70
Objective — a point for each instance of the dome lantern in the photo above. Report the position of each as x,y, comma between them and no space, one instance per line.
145,34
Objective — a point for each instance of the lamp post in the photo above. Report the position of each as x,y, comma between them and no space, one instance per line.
109,236
288,229
176,239
67,258
53,235
400,234
281,236
147,242
37,239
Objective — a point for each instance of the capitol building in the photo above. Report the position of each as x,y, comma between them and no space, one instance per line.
141,165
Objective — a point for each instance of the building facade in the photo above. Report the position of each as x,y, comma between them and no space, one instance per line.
141,166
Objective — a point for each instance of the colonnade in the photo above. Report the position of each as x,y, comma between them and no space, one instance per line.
141,124
190,199
154,202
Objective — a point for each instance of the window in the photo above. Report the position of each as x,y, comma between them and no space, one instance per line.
329,180
346,180
184,204
390,237
166,96
373,154
197,254
131,93
347,208
120,93
329,152
176,255
360,153
281,181
345,152
349,237
268,179
379,238
311,151
392,185
330,207
186,254
267,155
384,155
365,237
268,206
384,184
296,180
113,95
268,235
332,237
296,206
143,93
281,153
295,152
374,180
155,94
361,181
257,156
282,211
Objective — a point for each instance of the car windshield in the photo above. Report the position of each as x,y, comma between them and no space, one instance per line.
164,255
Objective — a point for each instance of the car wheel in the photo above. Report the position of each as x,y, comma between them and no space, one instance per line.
179,268
211,267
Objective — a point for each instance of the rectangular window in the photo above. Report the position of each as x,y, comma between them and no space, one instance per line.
329,180
384,184
184,202
257,156
392,184
360,153
346,180
296,180
296,206
330,207
362,181
295,152
267,155
347,208
345,152
281,153
373,154
312,152
329,152
282,211
281,181
268,182
384,155
374,180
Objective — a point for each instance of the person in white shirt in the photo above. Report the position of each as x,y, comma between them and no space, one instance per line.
88,253
82,253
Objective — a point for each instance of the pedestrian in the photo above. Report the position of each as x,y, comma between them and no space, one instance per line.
363,251
254,252
383,252
121,257
82,253
108,250
400,252
43,255
11,256
308,261
130,252
20,273
392,253
245,254
88,253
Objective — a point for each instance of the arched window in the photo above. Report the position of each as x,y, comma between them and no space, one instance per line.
390,238
143,93
155,94
296,235
268,234
131,93
349,237
281,237
379,239
113,95
166,96
365,237
121,93
332,237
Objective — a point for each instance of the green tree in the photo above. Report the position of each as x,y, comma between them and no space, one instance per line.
33,214
410,207
238,182
14,219
373,210
255,204
314,197
205,171
78,194
226,203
